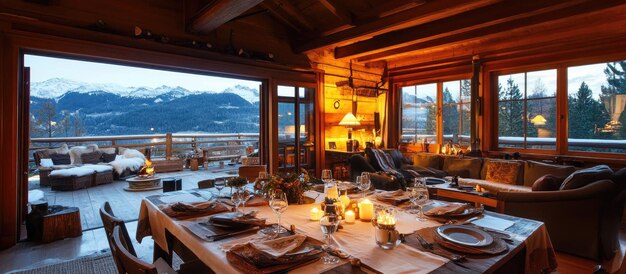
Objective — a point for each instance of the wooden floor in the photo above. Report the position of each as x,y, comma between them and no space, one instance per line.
126,203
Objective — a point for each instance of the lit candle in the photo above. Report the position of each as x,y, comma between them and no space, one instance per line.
366,210
316,214
350,217
332,192
477,188
385,218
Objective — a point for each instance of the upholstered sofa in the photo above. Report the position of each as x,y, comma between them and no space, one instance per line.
66,168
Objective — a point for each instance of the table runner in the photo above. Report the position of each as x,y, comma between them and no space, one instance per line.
355,239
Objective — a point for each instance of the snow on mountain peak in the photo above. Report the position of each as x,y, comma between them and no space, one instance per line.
56,87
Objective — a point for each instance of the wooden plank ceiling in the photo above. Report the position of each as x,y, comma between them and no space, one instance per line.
407,34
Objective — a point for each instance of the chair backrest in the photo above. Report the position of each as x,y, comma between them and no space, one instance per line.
109,221
208,183
129,262
251,172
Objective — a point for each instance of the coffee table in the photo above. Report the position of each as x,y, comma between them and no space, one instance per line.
138,183
446,191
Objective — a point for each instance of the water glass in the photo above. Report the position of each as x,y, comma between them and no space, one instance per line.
364,184
329,224
278,204
238,198
421,198
219,184
327,175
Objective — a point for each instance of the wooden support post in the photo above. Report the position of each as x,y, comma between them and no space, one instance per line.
475,106
168,146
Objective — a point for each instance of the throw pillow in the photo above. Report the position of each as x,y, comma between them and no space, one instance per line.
90,157
427,160
47,162
547,183
619,177
502,172
586,176
60,159
108,157
533,170
470,167
520,173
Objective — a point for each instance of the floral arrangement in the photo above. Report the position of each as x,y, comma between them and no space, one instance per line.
292,184
237,182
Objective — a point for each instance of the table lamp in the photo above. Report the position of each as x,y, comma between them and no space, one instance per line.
349,120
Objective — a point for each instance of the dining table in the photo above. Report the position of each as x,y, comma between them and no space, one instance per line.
528,249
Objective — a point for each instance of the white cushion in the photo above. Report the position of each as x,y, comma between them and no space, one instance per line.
134,164
133,153
118,157
47,162
98,168
75,171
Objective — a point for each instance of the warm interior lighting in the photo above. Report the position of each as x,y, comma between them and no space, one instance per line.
349,120
538,120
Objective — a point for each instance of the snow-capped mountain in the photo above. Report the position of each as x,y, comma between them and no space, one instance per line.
55,88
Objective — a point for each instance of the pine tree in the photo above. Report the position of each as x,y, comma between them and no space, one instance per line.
585,114
616,77
45,117
466,87
431,116
511,115
450,114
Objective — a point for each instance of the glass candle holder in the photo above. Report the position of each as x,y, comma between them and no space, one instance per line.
387,237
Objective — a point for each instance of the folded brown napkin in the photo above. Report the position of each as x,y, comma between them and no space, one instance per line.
289,250
447,209
232,219
181,210
395,197
254,201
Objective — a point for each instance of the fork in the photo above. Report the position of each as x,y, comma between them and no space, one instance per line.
430,247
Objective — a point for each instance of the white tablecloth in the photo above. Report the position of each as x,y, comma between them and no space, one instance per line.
355,239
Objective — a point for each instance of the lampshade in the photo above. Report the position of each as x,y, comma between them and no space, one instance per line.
349,120
539,120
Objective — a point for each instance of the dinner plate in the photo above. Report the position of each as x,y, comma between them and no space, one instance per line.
465,235
434,181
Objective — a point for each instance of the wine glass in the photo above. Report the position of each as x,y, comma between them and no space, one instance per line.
247,195
413,195
364,184
278,204
220,184
421,197
237,198
329,224
327,175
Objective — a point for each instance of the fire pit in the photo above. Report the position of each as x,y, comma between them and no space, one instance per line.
145,180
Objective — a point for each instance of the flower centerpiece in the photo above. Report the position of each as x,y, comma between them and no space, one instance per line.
292,184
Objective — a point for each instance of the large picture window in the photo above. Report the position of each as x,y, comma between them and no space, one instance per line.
593,105
421,104
596,97
527,110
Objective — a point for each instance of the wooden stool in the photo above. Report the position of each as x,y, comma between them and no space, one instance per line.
61,222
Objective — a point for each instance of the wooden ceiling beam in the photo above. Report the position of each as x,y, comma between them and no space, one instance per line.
429,11
287,14
493,14
553,36
505,26
218,13
338,11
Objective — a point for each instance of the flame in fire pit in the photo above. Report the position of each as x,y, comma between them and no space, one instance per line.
147,170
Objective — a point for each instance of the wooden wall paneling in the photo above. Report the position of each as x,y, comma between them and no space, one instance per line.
23,140
561,111
320,123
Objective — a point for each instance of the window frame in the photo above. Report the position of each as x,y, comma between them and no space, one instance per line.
439,102
561,66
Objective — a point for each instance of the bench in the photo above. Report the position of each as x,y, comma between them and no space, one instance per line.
223,153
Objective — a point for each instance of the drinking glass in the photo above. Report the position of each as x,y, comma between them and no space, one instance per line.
247,195
220,184
329,224
327,175
278,204
413,195
237,198
364,184
421,197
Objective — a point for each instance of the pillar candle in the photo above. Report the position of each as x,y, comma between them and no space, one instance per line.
366,210
349,217
316,214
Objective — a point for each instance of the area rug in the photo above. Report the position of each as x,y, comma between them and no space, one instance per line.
100,263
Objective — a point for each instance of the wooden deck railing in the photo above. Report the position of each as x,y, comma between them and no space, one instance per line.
162,144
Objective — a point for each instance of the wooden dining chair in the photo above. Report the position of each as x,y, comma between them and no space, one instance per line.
130,263
251,172
109,221
209,183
